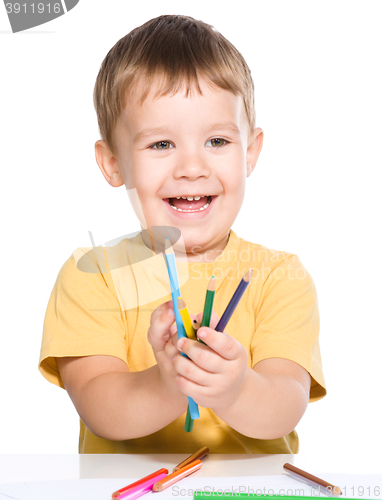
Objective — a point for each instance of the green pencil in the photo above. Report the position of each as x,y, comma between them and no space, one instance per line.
189,424
208,303
228,495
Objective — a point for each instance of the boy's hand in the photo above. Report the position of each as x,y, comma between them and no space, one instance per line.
215,374
162,335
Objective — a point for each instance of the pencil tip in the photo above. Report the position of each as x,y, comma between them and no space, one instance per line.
248,275
212,285
181,303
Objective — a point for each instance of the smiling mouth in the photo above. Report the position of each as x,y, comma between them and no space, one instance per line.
190,203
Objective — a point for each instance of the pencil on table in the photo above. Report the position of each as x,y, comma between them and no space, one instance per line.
234,495
185,315
198,455
329,487
230,309
177,475
140,487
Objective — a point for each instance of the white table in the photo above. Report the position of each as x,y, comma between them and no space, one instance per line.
19,468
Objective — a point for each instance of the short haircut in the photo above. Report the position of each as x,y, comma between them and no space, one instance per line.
179,50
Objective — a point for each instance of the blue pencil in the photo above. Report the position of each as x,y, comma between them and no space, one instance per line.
175,293
230,309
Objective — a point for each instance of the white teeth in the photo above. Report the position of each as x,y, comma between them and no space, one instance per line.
190,198
197,210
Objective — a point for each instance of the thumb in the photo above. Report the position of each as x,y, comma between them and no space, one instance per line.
159,330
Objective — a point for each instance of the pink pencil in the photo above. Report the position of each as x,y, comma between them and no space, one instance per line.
140,487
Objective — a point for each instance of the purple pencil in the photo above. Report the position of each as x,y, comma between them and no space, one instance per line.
246,279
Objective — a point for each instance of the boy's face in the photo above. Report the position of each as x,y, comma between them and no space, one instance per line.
177,146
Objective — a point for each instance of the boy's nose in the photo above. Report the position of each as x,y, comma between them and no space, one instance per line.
191,166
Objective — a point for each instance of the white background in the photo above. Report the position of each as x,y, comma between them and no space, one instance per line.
315,192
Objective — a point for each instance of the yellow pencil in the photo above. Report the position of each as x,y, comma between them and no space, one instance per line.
185,315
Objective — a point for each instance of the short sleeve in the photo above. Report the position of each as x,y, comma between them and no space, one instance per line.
287,321
83,318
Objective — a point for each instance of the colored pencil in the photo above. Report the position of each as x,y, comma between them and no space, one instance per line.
196,324
177,475
205,495
230,309
198,455
174,285
209,302
144,484
329,487
189,423
185,315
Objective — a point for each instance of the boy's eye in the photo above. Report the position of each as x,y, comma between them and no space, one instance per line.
217,143
162,145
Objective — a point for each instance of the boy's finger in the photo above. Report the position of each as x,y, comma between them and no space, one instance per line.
159,328
190,371
171,350
201,355
220,342
199,318
164,307
214,320
160,310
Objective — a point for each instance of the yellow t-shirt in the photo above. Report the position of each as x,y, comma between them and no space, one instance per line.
103,299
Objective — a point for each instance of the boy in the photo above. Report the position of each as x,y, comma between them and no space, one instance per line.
175,108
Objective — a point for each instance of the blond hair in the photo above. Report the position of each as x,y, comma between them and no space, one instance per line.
180,50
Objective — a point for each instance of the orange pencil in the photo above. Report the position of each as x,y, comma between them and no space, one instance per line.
177,476
198,455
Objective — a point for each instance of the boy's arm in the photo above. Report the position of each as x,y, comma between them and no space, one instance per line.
265,402
272,402
117,404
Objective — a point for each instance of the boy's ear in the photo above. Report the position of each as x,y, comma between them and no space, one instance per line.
255,143
108,164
